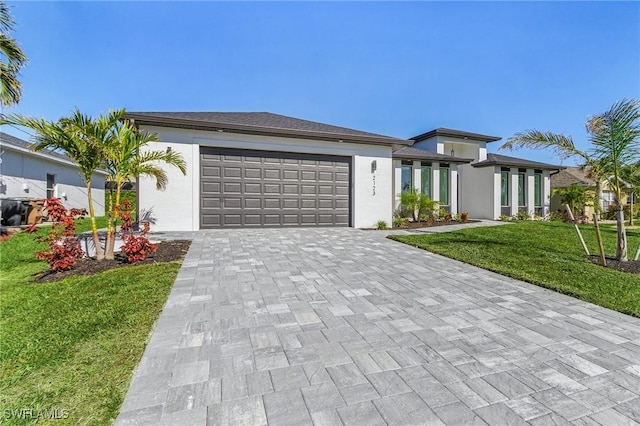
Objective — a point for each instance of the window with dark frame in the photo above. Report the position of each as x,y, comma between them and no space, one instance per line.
51,186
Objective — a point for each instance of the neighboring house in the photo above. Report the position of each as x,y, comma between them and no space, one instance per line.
263,169
29,175
575,175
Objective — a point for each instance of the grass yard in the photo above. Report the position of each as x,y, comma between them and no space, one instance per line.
548,254
73,344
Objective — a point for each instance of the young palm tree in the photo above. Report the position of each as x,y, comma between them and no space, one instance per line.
126,159
12,60
615,136
564,148
81,138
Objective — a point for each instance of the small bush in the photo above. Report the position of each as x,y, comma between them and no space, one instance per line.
64,247
464,216
381,225
505,218
521,215
415,203
135,248
397,222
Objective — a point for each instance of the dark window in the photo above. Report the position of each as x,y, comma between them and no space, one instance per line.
51,186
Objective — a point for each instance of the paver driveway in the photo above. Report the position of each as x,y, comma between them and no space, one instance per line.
341,326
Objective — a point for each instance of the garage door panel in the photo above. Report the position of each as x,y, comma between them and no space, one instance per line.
211,187
291,189
262,188
252,173
291,203
291,175
210,171
272,203
232,188
272,174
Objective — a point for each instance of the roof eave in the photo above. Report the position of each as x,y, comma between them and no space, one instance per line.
44,155
452,134
527,166
456,160
182,123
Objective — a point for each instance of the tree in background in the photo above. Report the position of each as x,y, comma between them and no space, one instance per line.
576,197
11,60
615,137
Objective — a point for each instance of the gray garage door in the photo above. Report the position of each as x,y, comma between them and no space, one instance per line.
241,188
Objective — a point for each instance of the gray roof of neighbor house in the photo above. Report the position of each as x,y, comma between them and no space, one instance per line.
569,176
260,123
452,133
21,145
411,153
503,160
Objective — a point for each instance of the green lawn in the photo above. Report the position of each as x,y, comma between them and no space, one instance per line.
548,254
73,344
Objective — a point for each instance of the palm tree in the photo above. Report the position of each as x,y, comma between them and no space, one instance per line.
615,144
81,138
615,136
564,147
13,60
127,158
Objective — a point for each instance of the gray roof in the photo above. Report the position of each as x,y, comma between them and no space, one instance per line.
261,123
452,133
9,140
571,175
503,160
411,153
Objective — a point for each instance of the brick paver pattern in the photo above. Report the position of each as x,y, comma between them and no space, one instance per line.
341,326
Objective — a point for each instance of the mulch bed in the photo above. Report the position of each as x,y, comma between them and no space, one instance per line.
168,251
631,266
421,224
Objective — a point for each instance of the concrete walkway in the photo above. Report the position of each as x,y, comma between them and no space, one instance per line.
341,326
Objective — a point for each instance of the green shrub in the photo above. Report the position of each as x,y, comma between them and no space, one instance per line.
397,222
381,225
416,203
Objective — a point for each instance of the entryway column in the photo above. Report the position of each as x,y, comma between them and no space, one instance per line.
397,184
435,181
513,196
531,191
417,176
453,189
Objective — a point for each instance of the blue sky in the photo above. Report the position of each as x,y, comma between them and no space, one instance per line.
394,68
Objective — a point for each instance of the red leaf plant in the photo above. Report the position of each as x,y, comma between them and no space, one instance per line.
64,247
135,248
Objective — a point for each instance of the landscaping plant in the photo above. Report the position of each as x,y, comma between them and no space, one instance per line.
64,247
415,202
136,248
381,225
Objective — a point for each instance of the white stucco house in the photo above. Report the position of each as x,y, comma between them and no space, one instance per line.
262,169
30,175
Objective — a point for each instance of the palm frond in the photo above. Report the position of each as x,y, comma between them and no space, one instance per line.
560,144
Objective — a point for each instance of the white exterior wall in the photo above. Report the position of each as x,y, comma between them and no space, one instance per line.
477,192
497,192
24,175
531,192
178,207
513,188
546,192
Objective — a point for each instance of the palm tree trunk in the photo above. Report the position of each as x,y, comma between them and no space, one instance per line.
621,247
94,226
116,213
109,245
598,197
